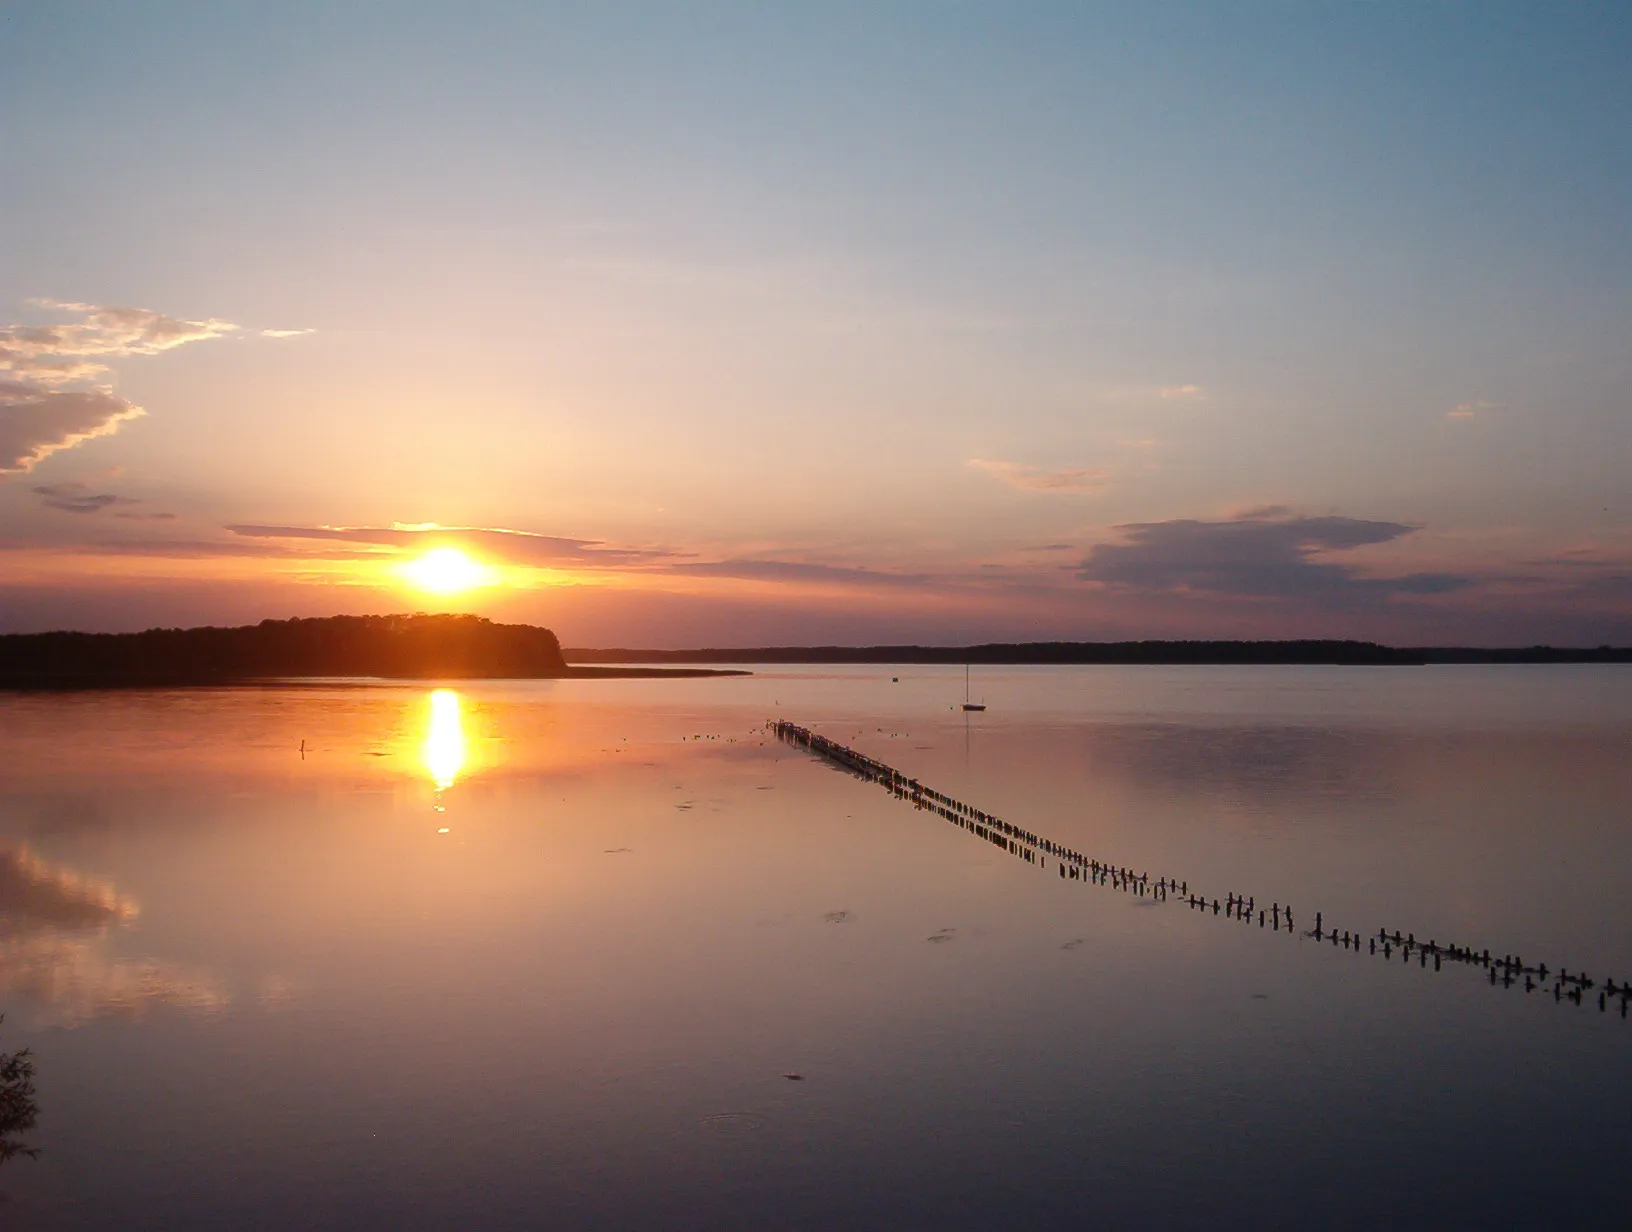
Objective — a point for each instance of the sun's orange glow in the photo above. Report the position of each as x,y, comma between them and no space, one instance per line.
447,571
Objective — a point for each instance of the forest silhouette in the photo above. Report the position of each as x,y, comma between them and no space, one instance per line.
400,646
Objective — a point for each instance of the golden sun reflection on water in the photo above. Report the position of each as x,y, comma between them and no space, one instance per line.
444,747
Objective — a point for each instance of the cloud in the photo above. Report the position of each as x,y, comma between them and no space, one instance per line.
203,549
45,370
1469,410
1260,513
795,571
286,333
514,546
53,354
530,548
1036,479
1264,553
36,422
75,498
1178,391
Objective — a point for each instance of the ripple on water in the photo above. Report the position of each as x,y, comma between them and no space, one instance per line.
732,1124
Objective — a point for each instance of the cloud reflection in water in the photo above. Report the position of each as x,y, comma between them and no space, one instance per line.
55,929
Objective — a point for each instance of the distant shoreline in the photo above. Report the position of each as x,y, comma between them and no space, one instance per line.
78,684
1308,653
421,647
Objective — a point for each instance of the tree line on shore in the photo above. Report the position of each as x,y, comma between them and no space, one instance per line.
1300,651
401,646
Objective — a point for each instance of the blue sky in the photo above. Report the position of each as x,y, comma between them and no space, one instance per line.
826,322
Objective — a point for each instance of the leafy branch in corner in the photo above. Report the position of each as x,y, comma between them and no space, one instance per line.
18,1111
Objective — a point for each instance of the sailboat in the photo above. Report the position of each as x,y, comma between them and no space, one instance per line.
967,704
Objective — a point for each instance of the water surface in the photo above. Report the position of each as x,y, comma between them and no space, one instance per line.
603,954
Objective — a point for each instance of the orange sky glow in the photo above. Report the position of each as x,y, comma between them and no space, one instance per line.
746,358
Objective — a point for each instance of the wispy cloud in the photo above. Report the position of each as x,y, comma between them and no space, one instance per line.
286,333
77,498
45,353
1267,552
513,546
48,397
36,422
796,571
1469,410
52,390
206,549
1072,482
1179,391
518,547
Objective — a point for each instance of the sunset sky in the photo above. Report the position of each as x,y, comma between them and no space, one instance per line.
716,324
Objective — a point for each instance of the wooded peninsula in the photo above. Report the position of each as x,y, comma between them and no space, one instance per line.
409,647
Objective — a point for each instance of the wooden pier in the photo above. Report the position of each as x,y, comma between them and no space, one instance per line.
1506,971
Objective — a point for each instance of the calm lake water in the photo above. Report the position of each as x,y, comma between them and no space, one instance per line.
550,954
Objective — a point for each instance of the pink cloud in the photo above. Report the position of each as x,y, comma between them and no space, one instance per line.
1070,482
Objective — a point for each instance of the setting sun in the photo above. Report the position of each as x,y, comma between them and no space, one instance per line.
446,571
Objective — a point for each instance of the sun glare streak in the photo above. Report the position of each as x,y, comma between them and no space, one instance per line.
446,571
444,748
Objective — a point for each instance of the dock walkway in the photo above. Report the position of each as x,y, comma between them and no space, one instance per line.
1506,971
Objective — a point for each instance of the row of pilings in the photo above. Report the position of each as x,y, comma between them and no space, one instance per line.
1505,970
